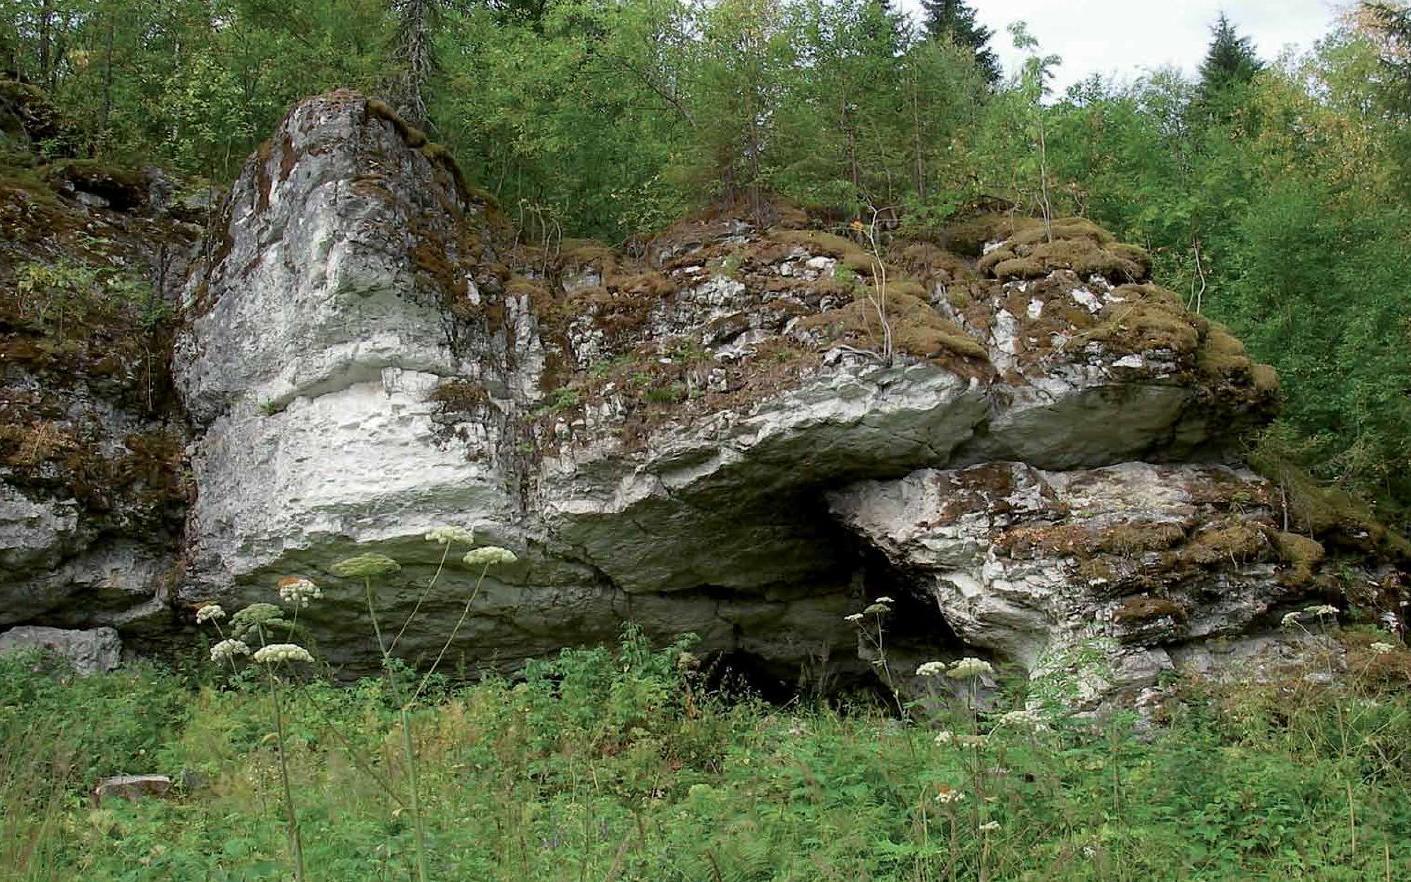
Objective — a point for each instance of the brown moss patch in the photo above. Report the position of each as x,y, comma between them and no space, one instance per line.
1146,609
1083,541
1033,250
1301,555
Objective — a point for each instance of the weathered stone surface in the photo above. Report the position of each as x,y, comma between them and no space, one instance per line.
92,495
130,787
1122,566
734,430
654,436
89,652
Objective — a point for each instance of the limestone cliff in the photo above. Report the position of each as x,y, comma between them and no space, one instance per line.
737,429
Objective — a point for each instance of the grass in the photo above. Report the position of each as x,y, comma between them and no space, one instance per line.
616,764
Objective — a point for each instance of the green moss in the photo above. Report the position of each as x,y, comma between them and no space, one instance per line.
1301,554
1146,317
410,135
1230,543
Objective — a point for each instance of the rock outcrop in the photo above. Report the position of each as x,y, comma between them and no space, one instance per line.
92,490
737,429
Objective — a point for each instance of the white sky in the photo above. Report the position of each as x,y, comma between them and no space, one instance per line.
1123,37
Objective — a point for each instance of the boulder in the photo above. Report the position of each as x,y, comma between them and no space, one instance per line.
130,788
1104,577
369,353
89,652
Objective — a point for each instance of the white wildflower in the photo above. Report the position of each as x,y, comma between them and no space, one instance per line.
1322,610
969,668
884,599
989,826
949,795
228,649
450,535
854,618
931,669
944,737
489,556
1381,648
1290,620
1023,719
877,609
211,612
970,740
298,592
275,653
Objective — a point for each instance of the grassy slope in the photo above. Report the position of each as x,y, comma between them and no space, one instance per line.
613,766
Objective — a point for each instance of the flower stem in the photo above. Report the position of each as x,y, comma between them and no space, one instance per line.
291,819
418,826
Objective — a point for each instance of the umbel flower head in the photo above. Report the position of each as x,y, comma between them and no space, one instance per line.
228,649
255,618
282,652
969,668
211,612
854,618
1290,620
489,556
448,535
931,669
1322,611
298,592
877,609
365,566
1381,648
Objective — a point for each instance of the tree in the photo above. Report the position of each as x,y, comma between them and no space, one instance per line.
1230,60
414,56
954,20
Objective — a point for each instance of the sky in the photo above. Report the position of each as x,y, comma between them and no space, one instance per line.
1123,37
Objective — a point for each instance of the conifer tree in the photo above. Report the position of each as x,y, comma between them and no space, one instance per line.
954,20
1230,60
415,57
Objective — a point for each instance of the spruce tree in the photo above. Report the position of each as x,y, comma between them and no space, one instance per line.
954,20
1229,61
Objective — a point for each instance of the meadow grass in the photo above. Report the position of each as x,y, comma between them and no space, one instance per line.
615,764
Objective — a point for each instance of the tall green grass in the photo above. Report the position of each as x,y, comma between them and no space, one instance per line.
613,764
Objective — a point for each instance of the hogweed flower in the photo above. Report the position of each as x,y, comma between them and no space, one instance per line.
877,609
989,826
365,566
969,668
489,556
944,737
970,740
1290,620
1381,648
449,535
949,795
211,612
298,592
884,599
854,618
255,618
282,652
228,649
931,669
1028,719
1322,610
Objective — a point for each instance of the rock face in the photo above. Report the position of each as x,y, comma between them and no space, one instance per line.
89,652
738,429
92,493
1101,573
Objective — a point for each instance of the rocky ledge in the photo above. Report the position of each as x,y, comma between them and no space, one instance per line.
738,429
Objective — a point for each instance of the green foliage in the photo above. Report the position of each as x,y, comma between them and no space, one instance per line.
613,763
